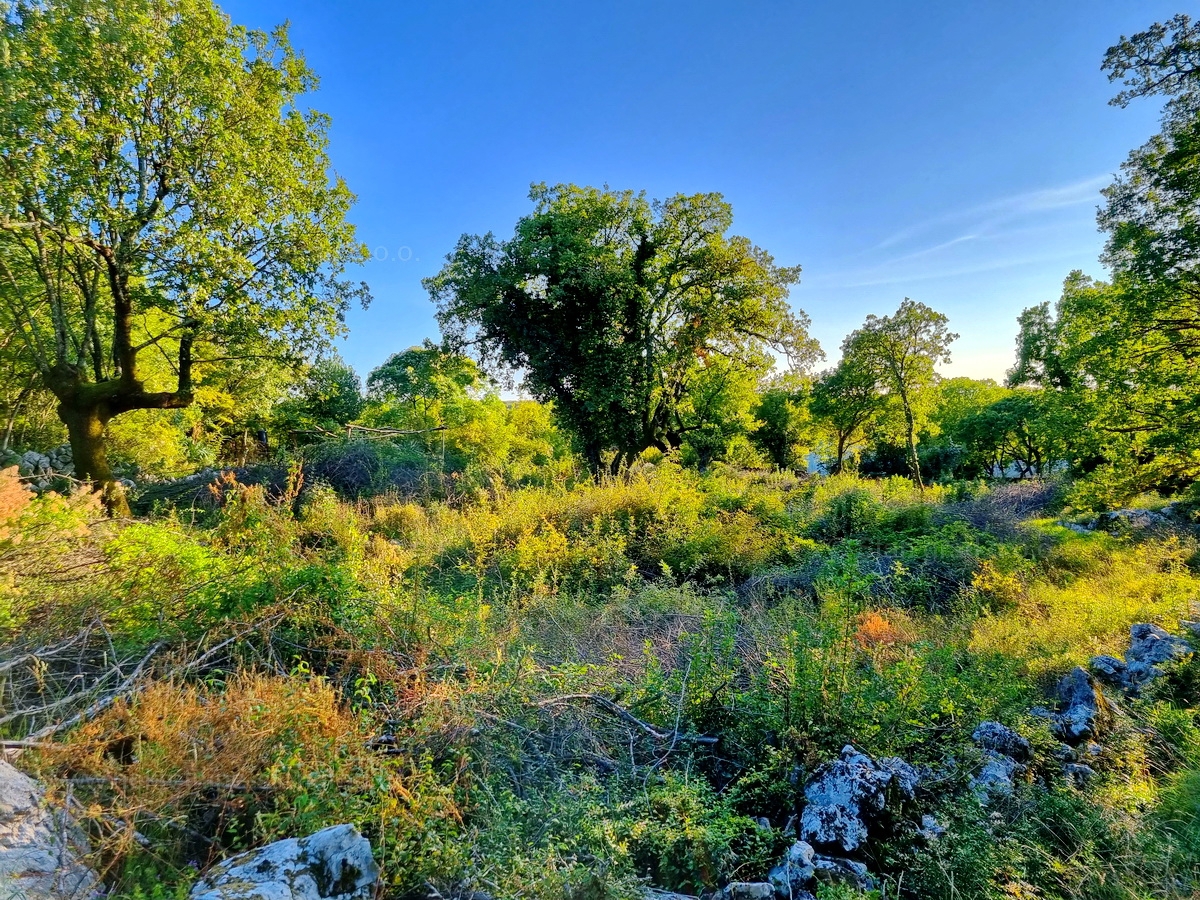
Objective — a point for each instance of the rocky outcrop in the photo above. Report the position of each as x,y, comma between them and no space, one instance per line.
1126,519
844,795
749,890
1001,739
40,849
1084,711
1150,647
844,800
333,864
793,876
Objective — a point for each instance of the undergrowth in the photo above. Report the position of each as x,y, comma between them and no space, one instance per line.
577,689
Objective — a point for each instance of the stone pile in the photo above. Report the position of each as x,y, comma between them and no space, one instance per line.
1005,758
39,470
845,800
1150,648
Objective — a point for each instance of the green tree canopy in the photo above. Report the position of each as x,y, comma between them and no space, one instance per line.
785,425
845,400
1121,360
611,307
326,399
422,374
903,349
165,193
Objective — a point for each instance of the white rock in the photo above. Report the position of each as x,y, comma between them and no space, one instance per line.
996,777
335,862
1003,740
794,873
40,848
844,795
749,890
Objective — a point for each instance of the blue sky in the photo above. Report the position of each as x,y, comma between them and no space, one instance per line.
951,152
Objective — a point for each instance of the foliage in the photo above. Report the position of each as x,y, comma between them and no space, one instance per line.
785,429
327,398
785,618
846,399
902,350
613,307
167,193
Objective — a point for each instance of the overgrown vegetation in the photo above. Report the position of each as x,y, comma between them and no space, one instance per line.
586,644
579,687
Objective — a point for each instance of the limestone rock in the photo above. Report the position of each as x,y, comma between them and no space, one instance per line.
1084,711
843,795
997,777
795,872
1150,647
1128,519
333,864
1110,669
1079,774
834,870
930,829
749,890
1002,740
40,849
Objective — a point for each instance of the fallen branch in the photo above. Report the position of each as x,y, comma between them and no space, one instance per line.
45,652
629,718
126,688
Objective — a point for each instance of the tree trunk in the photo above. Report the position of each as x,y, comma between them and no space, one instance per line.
85,430
913,462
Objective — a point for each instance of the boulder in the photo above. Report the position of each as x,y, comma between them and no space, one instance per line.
334,863
1150,647
794,874
996,778
40,849
1127,519
845,794
835,870
749,890
1079,774
1109,669
930,829
1084,711
1003,740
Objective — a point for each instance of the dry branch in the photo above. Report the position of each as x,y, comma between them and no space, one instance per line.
629,718
126,688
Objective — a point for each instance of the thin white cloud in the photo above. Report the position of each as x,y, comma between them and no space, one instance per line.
867,279
996,212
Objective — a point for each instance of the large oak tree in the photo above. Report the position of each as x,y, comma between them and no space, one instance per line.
613,308
163,192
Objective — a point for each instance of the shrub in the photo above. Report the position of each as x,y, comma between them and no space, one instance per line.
261,758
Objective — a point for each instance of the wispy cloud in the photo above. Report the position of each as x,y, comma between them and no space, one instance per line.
885,275
996,212
1008,232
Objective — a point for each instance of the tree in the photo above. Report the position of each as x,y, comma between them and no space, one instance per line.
784,415
165,194
846,399
903,349
612,307
422,380
327,398
1120,360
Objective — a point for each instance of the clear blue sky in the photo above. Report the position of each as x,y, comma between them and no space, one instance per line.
951,152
